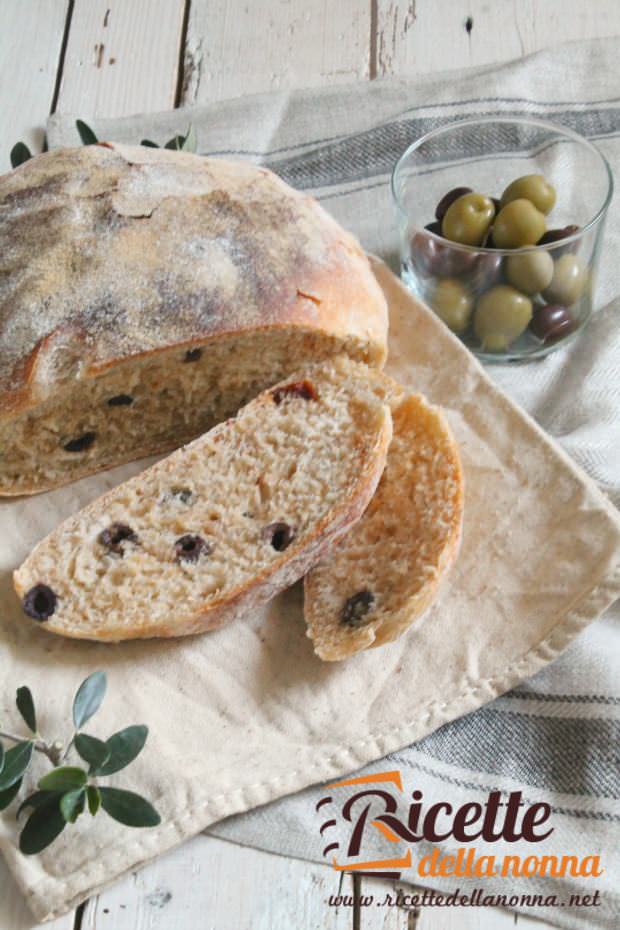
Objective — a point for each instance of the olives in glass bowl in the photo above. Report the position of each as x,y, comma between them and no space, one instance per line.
499,233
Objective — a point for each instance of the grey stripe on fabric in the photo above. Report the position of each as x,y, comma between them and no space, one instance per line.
406,762
532,107
554,753
565,698
374,152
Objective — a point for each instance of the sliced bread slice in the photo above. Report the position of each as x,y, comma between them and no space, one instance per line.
385,572
223,524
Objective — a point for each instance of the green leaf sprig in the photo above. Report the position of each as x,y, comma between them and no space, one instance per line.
66,791
86,134
187,143
19,154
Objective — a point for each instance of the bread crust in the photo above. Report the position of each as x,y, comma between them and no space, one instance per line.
114,252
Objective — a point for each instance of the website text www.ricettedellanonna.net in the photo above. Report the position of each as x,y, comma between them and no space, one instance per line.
476,898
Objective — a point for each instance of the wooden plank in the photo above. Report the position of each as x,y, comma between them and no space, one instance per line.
234,47
30,44
215,884
14,915
421,36
121,57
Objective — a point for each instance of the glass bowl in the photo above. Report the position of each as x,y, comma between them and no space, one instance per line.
486,155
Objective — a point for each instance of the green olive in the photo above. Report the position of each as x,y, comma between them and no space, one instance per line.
502,314
517,224
532,187
452,303
529,272
569,279
468,218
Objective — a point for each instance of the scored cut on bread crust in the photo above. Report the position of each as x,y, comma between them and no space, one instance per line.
147,294
385,573
223,524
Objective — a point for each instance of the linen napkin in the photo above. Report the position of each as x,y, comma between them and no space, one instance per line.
557,734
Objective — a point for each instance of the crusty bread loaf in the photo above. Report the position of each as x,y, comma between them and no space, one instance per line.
223,524
145,295
385,572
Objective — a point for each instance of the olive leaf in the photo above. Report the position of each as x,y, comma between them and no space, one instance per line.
25,705
87,135
88,699
16,762
36,800
175,143
94,799
128,808
9,794
43,826
65,778
92,750
148,144
19,154
123,748
186,143
72,804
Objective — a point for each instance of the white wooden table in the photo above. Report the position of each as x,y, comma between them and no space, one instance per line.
116,57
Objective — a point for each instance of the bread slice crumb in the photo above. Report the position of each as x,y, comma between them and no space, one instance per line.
223,524
384,574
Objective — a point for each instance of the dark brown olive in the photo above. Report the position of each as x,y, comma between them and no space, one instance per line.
189,548
80,443
552,322
434,228
115,535
279,534
355,609
120,400
555,235
431,258
192,355
448,199
424,252
40,602
486,272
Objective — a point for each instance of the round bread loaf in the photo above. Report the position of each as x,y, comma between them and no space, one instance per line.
146,295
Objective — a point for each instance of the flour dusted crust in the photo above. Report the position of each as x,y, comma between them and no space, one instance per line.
385,573
116,262
223,524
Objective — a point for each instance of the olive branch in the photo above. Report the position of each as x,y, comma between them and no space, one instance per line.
66,791
187,143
